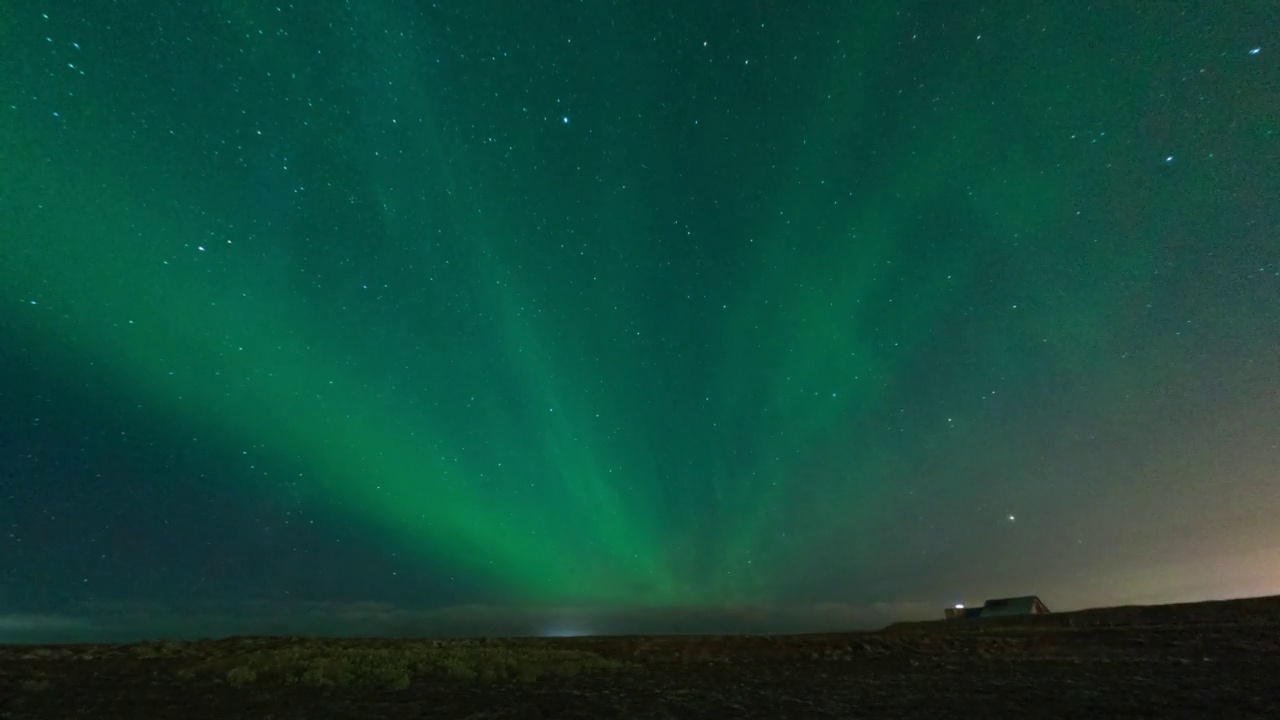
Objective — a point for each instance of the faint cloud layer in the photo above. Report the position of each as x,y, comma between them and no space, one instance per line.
123,622
19,623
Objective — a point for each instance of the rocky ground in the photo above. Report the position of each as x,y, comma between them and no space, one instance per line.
1206,663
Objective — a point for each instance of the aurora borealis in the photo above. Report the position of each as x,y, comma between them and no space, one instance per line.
762,314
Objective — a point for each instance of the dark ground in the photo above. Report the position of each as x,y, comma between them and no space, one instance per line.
1219,660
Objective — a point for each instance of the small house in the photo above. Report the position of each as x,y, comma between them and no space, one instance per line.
1025,605
1000,607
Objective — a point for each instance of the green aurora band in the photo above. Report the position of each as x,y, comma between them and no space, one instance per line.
532,320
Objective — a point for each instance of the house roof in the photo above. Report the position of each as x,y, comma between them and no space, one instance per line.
1022,605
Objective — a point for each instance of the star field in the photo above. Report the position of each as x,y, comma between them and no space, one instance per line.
601,317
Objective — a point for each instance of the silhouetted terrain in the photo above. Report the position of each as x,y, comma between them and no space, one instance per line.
1217,659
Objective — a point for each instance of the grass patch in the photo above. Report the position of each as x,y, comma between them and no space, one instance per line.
161,649
36,685
348,665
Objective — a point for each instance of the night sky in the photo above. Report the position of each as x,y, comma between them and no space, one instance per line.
476,316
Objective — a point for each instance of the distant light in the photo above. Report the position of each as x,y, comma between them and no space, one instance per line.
565,632
959,606
1012,518
1168,158
1255,51
565,119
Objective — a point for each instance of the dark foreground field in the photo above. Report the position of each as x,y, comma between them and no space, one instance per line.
1219,660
